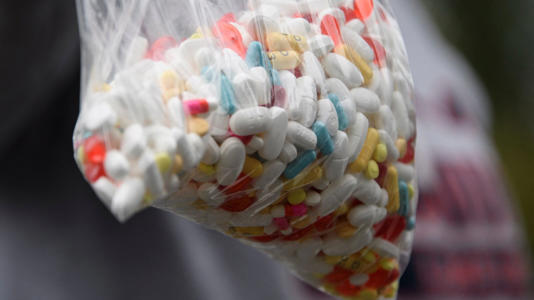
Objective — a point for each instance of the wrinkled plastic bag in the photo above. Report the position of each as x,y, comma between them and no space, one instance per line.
288,125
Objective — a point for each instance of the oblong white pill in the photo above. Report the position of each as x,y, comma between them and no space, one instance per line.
366,100
262,85
151,175
128,198
245,93
401,116
385,248
231,162
289,153
134,141
364,215
341,145
105,190
337,87
406,172
289,82
211,194
387,121
271,171
100,116
355,25
357,134
309,248
250,121
341,247
327,114
356,42
368,191
213,152
308,112
339,67
276,135
335,167
116,165
311,66
312,198
301,136
349,107
337,193
393,152
321,45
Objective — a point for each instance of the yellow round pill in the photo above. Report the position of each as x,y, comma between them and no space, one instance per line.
163,161
296,197
381,153
372,170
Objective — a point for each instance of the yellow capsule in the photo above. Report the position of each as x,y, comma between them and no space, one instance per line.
207,169
367,294
298,42
357,60
381,153
391,184
163,161
277,41
284,60
411,191
372,171
253,168
296,197
198,125
366,153
346,230
304,178
401,146
80,155
178,164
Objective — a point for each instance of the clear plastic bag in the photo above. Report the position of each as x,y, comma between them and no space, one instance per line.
286,124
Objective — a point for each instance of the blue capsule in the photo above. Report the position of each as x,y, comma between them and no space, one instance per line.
256,57
227,95
343,121
410,225
305,159
324,140
404,199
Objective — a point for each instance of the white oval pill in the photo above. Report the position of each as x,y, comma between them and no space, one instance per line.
116,165
231,162
105,190
349,107
368,191
151,175
276,135
271,171
337,87
357,134
308,112
393,152
327,114
289,153
337,193
321,45
311,66
301,136
133,141
401,116
366,100
334,168
361,216
339,67
387,121
356,42
212,154
355,25
250,121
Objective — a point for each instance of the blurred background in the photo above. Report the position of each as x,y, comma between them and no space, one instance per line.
496,37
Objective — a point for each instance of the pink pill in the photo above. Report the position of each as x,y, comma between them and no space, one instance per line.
281,223
296,210
196,106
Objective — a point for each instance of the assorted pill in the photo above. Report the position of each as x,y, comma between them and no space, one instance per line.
289,126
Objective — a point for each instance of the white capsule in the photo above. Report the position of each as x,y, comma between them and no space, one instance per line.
366,100
176,112
335,246
116,165
335,167
151,175
133,141
311,66
136,51
308,110
356,42
245,93
292,105
185,148
349,107
401,116
259,26
262,85
385,89
271,171
385,248
301,136
366,215
233,64
406,172
357,134
231,162
289,153
387,121
128,199
355,25
211,194
341,145
250,121
326,113
105,190
297,26
321,45
336,194
306,88
368,191
337,87
276,134
309,248
312,198
393,152
99,117
212,154
205,57
339,67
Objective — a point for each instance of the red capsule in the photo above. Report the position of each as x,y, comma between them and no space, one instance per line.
325,223
281,223
338,275
391,228
330,27
410,152
363,9
238,186
350,14
244,139
94,171
237,203
158,48
266,238
230,37
378,49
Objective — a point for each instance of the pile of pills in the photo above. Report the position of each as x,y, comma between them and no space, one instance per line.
289,126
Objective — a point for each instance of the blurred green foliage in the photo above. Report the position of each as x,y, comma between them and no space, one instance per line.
497,37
